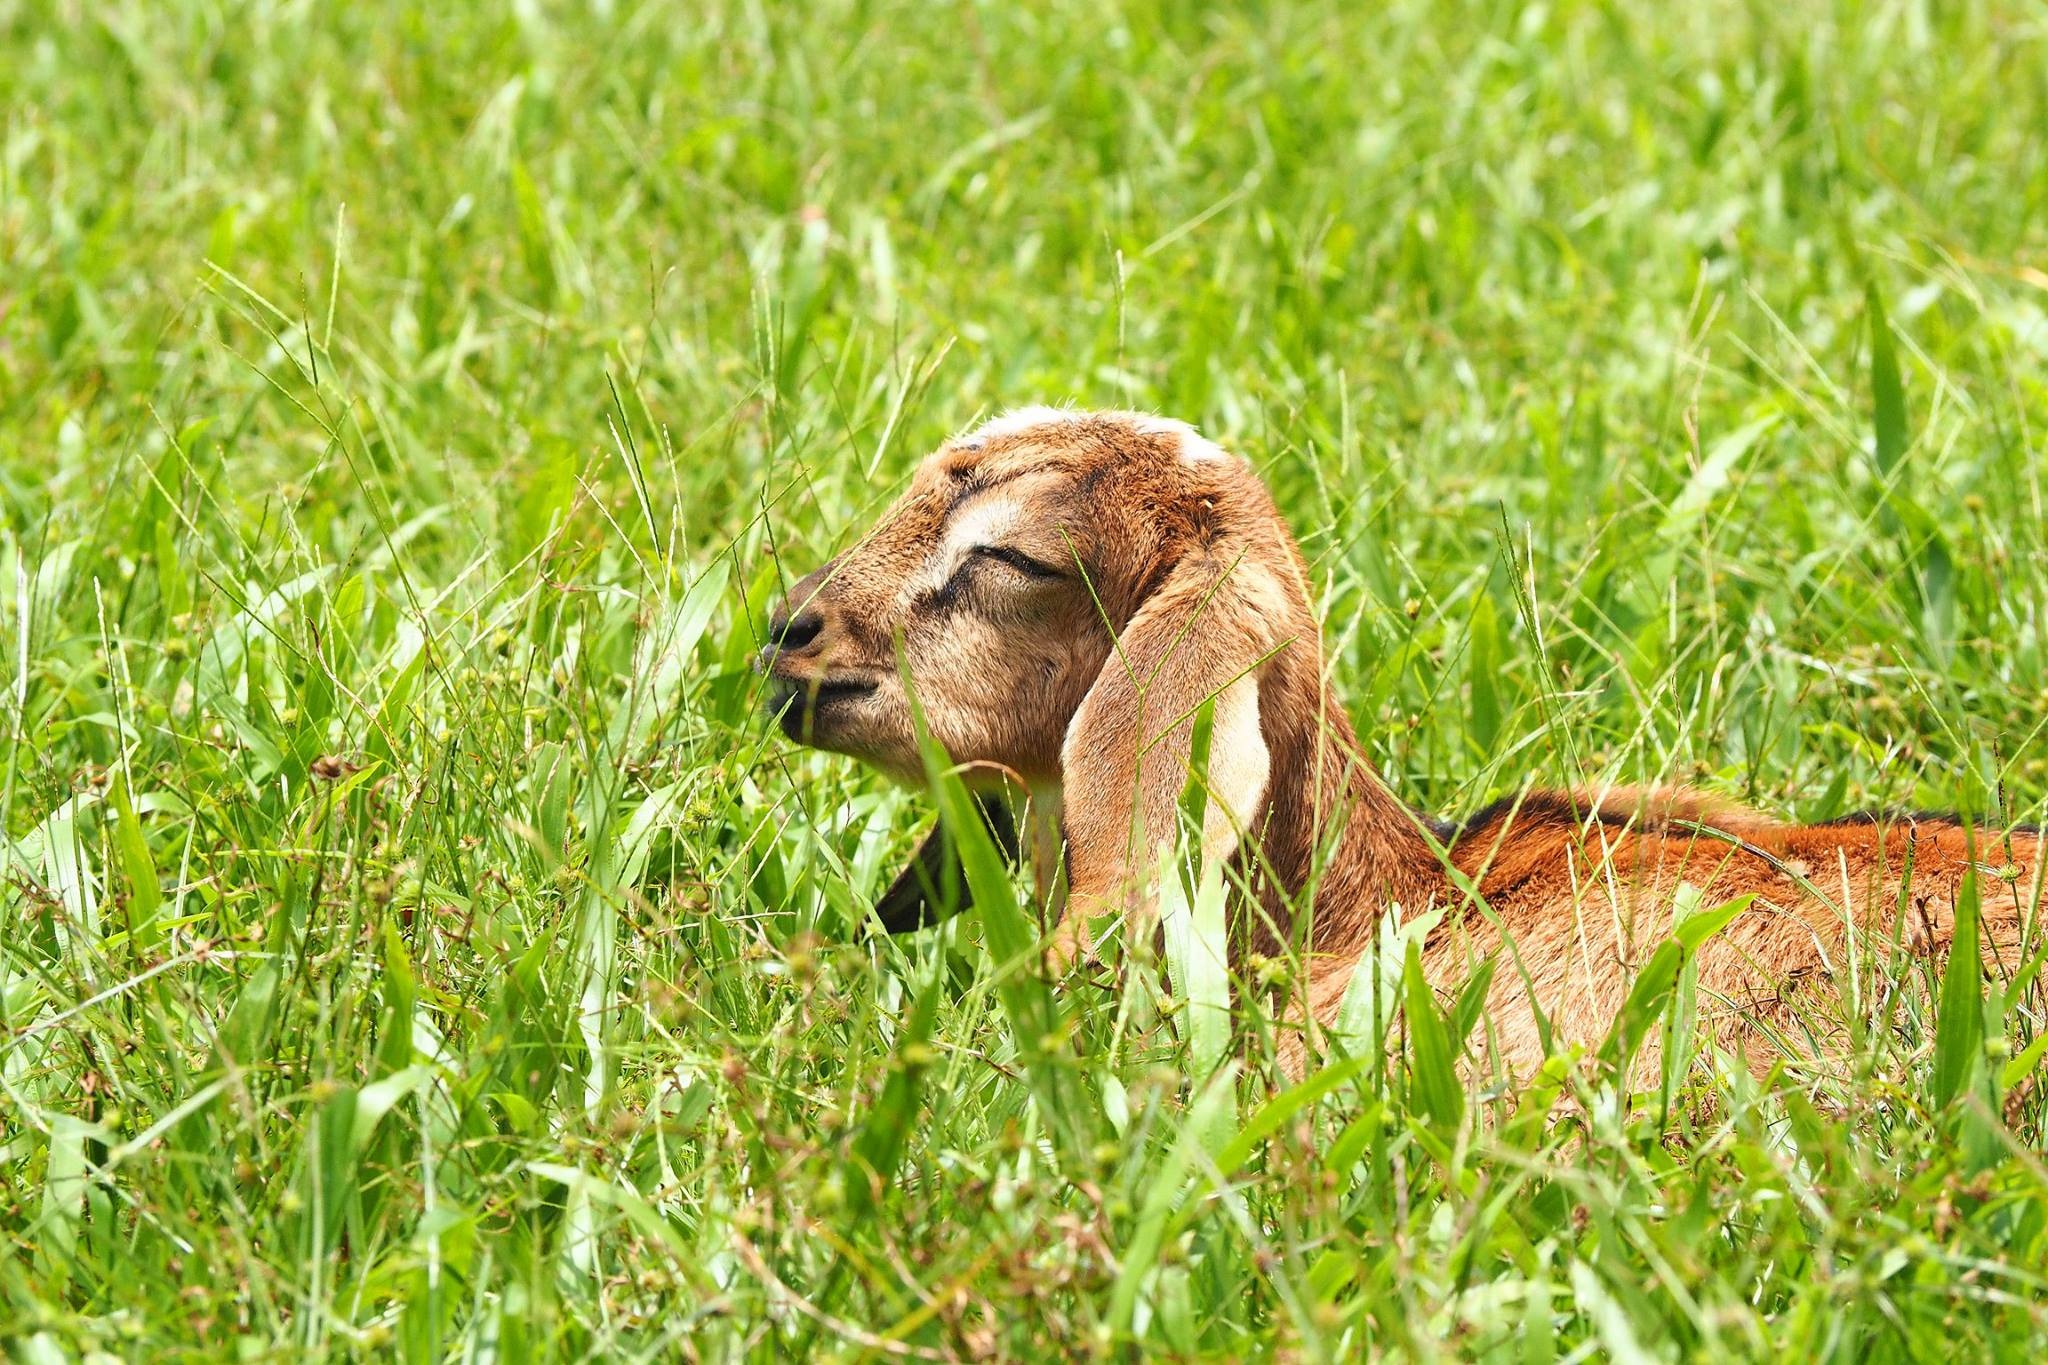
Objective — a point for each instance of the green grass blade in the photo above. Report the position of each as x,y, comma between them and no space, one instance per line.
1434,1069
1164,1187
1959,1017
1887,395
1696,927
1012,937
887,1127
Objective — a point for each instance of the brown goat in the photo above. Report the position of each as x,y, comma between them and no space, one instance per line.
1065,592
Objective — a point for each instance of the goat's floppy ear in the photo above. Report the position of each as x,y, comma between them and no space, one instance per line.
1203,634
934,885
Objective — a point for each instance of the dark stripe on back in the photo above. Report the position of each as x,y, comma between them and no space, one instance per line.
1899,816
1536,809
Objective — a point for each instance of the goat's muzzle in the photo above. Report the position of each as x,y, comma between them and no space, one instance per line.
809,694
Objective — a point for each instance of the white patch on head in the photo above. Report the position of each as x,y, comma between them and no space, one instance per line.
1019,421
1195,448
982,523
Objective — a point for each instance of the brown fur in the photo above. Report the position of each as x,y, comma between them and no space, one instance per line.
1159,576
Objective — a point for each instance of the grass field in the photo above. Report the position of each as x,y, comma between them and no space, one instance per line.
415,941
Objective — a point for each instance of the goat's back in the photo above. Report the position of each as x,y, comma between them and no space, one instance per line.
1579,893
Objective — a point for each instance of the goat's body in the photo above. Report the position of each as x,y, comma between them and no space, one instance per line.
1579,893
1068,593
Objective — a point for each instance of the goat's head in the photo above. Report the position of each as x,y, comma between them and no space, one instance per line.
1063,592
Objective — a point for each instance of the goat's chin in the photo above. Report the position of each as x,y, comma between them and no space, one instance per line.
899,763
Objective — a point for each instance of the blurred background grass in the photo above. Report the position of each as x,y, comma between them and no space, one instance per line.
413,936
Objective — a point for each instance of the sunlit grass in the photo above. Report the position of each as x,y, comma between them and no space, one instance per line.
413,939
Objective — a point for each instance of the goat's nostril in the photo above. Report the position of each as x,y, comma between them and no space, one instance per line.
796,632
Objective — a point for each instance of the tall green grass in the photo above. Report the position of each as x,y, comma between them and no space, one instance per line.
413,940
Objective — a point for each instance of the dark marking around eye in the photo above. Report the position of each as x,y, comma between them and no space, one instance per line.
947,595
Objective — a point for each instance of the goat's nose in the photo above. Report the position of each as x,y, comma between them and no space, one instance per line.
791,633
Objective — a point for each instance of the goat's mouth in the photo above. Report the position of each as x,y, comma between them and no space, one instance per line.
804,707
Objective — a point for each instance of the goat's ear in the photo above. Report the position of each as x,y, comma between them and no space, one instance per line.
1202,636
934,885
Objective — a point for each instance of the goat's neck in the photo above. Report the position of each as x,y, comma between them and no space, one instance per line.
1335,841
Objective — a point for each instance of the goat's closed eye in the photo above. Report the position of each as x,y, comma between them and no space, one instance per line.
1018,560
952,592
